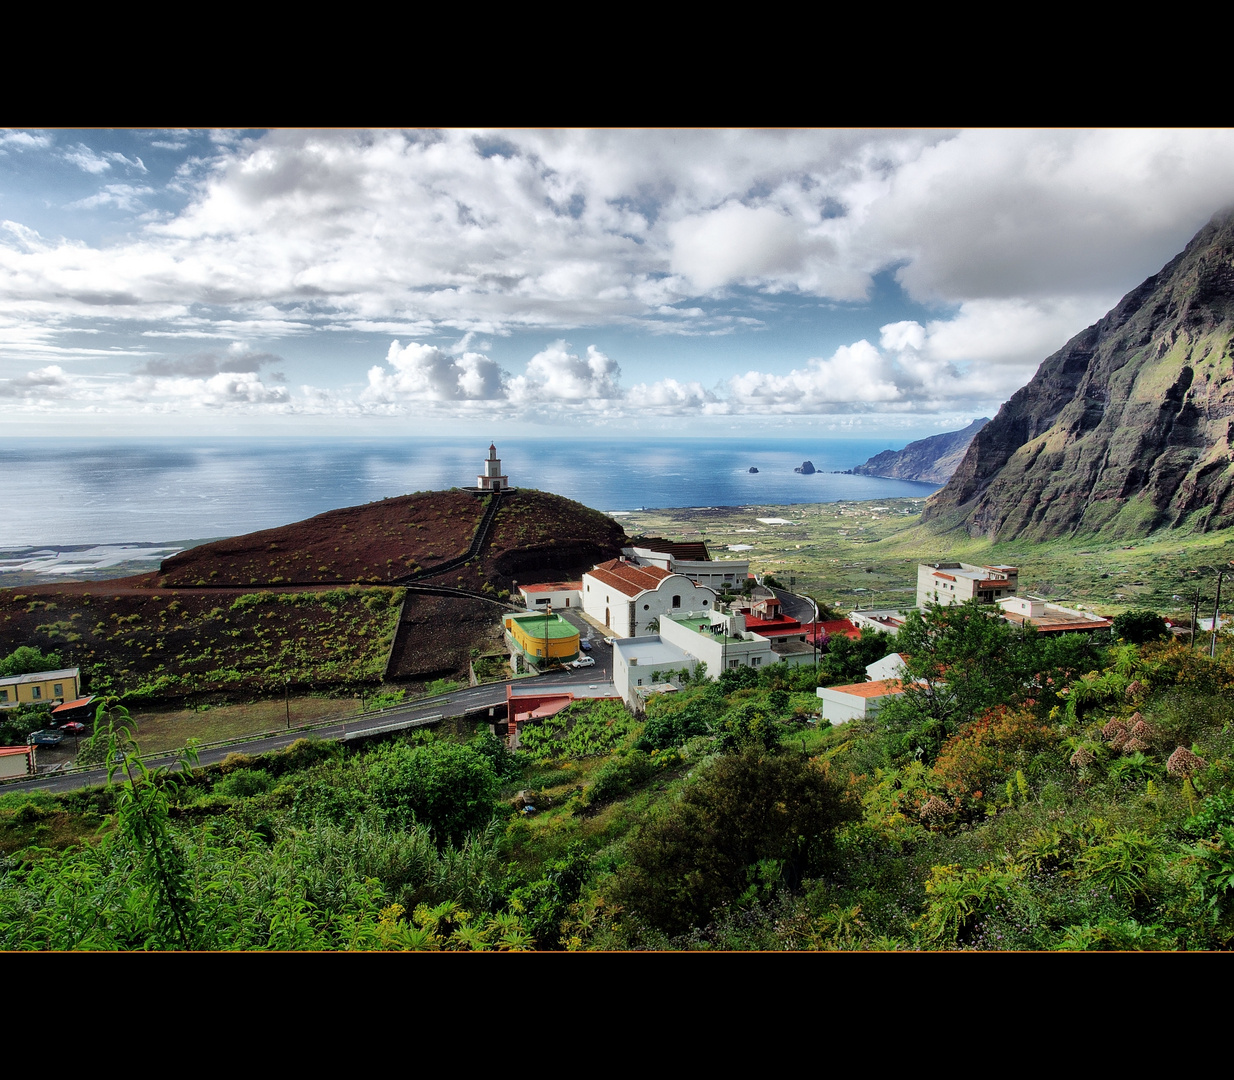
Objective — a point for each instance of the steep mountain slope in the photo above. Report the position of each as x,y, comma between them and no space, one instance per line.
932,460
1127,428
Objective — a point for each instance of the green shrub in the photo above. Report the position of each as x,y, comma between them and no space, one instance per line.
582,729
450,788
620,777
243,783
1139,626
747,816
26,659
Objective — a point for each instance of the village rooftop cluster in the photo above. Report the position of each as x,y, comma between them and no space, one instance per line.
671,614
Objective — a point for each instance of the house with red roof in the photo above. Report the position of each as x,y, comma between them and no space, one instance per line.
629,599
554,594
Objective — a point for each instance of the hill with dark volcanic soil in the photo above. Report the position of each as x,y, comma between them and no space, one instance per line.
407,538
1127,429
310,602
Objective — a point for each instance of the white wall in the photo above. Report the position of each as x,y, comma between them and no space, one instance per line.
640,657
752,651
648,606
890,666
559,598
840,708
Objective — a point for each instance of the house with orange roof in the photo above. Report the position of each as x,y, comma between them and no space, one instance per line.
16,761
857,701
554,594
1051,618
629,599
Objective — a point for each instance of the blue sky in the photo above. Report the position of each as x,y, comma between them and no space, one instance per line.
583,282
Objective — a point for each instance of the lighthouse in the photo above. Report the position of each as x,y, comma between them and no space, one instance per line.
491,479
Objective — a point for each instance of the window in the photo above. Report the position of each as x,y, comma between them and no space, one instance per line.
755,661
640,682
734,663
676,601
36,692
646,607
4,695
57,690
704,603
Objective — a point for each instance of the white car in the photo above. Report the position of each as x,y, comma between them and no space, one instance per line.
583,661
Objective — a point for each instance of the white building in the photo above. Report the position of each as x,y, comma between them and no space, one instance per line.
16,761
554,594
629,599
694,561
491,479
857,700
640,663
1051,618
887,620
721,641
957,583
890,666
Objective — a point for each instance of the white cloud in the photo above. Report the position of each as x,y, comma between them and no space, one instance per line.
122,196
23,140
855,374
1030,214
427,373
670,397
52,387
566,229
558,375
741,243
1026,236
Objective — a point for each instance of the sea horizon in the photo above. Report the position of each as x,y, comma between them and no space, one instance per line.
157,490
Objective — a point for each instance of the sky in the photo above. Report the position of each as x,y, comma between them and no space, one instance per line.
610,283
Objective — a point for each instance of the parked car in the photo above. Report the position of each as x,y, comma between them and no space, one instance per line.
585,645
73,727
583,661
46,737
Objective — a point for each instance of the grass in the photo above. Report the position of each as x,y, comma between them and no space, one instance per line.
866,553
161,730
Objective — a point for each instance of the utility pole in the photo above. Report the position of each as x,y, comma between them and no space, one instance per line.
1212,648
1195,615
286,703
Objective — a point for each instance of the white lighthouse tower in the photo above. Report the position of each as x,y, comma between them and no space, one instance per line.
491,479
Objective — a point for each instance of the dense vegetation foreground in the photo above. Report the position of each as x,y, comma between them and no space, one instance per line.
1024,793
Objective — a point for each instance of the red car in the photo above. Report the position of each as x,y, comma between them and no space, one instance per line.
73,727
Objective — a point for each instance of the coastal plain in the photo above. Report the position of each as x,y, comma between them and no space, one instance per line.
849,554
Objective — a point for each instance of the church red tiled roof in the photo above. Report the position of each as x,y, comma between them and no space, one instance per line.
628,579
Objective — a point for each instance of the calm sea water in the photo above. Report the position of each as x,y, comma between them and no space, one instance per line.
87,491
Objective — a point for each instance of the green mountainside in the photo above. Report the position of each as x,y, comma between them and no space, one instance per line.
1125,430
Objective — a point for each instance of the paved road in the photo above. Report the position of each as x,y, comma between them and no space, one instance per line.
456,704
794,606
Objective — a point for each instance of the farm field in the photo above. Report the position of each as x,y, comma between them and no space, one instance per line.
867,553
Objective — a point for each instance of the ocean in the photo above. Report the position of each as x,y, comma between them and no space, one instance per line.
62,492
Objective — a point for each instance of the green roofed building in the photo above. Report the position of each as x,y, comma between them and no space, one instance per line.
541,638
